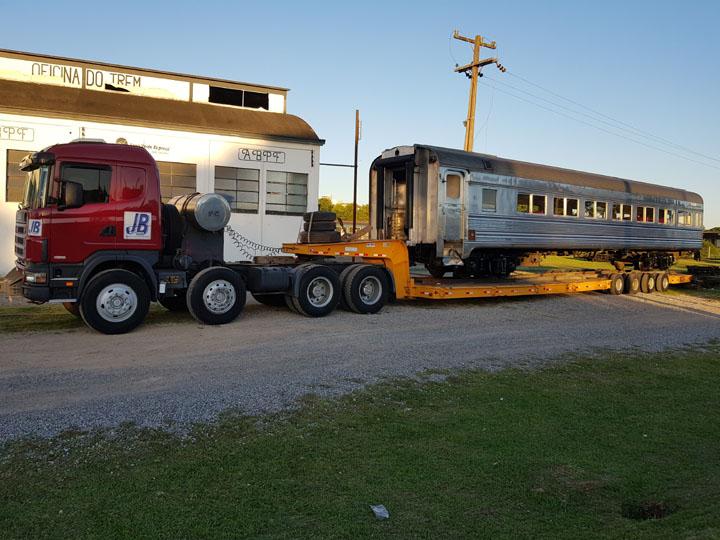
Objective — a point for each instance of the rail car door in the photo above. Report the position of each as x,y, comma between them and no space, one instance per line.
451,207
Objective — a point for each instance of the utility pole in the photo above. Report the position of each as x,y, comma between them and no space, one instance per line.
355,168
474,68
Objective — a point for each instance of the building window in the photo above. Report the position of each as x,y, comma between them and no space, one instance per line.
595,210
286,193
531,204
94,179
489,200
622,212
666,217
176,179
15,178
645,214
239,98
241,188
565,207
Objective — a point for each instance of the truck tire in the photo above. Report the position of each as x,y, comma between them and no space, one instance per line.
318,291
343,279
73,308
324,237
273,300
320,226
177,303
632,283
115,301
216,295
617,283
647,282
662,282
319,216
366,289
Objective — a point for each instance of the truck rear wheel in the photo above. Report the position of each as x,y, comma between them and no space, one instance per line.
365,289
318,291
115,302
216,295
176,303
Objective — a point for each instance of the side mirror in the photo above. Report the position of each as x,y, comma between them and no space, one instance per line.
73,196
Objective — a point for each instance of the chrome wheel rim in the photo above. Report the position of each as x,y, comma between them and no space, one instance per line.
320,292
219,296
116,302
370,290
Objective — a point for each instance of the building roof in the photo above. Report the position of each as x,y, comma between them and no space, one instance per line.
474,161
92,106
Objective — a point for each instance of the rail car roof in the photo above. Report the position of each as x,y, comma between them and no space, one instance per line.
450,157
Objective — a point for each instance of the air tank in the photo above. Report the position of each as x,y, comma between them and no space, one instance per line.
207,211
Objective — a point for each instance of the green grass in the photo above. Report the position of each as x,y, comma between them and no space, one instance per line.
49,317
556,453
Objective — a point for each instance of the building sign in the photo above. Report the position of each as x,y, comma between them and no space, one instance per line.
94,79
16,133
255,154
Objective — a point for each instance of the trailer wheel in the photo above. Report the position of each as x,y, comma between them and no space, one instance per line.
662,282
73,308
216,295
366,289
632,283
617,284
177,303
343,279
272,300
115,301
647,282
318,291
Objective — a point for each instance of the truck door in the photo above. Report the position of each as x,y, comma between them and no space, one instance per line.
451,207
79,232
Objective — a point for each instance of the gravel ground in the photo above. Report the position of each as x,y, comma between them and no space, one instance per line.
175,374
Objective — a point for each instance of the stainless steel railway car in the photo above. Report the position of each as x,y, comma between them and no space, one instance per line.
481,215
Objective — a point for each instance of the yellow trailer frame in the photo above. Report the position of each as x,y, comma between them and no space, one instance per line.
393,255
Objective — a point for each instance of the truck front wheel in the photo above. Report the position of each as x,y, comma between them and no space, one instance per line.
115,302
216,295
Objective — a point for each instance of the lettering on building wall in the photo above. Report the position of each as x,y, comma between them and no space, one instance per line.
96,78
16,133
67,74
254,154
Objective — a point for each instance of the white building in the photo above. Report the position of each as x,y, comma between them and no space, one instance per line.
206,135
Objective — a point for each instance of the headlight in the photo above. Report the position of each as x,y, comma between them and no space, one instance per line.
35,277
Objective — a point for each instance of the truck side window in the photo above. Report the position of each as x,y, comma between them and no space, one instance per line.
95,180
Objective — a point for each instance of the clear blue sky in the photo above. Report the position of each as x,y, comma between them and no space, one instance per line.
652,64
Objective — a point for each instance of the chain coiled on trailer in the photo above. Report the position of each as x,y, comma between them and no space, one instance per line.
249,248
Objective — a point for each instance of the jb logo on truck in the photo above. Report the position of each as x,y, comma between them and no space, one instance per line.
35,227
137,226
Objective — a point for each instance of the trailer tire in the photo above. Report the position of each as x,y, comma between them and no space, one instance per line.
73,308
632,283
319,216
319,237
115,301
366,289
647,282
216,295
662,282
272,300
617,284
176,304
343,279
318,291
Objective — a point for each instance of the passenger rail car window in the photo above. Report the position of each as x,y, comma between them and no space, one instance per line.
241,188
684,218
666,217
563,206
531,204
595,210
645,214
452,186
698,219
489,200
94,179
622,212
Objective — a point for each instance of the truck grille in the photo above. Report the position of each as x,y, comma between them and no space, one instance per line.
20,233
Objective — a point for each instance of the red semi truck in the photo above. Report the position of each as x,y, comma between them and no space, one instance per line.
92,233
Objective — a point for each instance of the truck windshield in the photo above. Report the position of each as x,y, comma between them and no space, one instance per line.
36,187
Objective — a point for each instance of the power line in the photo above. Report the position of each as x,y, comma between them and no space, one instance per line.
659,149
630,126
